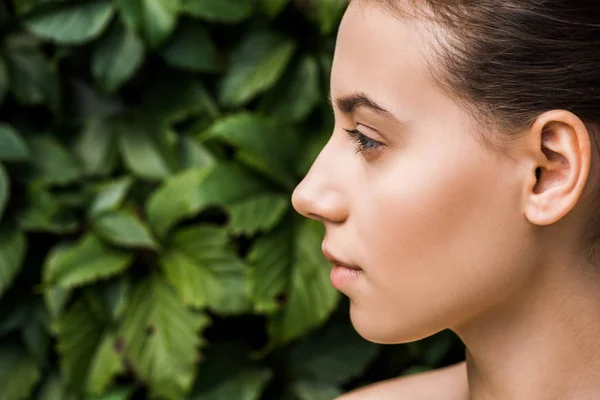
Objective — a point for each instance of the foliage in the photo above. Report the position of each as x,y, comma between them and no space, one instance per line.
148,151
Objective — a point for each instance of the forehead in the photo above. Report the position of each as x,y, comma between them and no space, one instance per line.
382,55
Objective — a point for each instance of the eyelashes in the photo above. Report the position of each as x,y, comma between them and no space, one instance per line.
364,144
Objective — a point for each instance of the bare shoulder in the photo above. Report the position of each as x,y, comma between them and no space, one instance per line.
449,383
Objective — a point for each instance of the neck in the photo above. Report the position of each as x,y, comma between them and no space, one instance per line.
544,343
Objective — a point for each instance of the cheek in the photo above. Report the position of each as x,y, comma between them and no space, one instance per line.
437,238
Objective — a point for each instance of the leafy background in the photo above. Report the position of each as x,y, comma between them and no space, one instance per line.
148,249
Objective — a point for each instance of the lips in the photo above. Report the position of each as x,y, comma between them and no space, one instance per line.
337,261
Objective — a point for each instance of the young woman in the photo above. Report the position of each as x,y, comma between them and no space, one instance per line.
459,190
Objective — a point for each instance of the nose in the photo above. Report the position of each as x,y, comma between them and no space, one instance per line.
320,195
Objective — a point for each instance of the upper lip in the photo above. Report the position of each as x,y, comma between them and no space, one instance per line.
336,261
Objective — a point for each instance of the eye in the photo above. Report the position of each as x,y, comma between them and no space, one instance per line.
364,144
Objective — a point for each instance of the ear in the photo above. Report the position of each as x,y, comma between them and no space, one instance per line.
559,146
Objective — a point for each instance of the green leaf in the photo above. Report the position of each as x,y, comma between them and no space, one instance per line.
161,338
310,298
273,7
56,298
311,149
33,80
254,66
433,349
259,213
416,369
297,93
122,228
313,391
13,316
114,296
246,385
261,143
334,355
327,14
35,334
110,195
114,394
13,245
88,260
148,148
54,388
190,48
95,147
179,97
227,11
51,163
105,365
186,194
4,80
36,338
194,154
117,57
205,271
18,372
4,190
71,23
271,259
25,6
88,358
44,212
154,19
222,360
12,147
87,103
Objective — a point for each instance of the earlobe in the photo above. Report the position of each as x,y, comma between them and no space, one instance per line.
561,163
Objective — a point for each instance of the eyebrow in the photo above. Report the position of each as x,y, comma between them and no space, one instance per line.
350,103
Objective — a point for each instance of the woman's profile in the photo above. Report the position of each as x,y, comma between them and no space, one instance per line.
459,190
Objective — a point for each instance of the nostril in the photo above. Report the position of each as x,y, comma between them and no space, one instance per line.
316,217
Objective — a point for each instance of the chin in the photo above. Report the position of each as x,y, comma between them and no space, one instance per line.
386,330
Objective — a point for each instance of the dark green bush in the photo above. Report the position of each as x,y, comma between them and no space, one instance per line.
148,150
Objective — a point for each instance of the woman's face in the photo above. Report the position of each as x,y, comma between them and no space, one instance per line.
430,214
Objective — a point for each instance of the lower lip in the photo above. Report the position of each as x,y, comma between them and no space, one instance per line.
341,276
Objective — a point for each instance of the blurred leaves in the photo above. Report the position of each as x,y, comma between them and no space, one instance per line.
95,147
89,360
147,147
255,65
4,82
205,270
18,372
51,162
227,11
71,23
161,338
261,143
190,48
297,93
12,253
89,259
310,298
12,146
258,213
124,229
155,20
186,194
117,57
4,190
32,77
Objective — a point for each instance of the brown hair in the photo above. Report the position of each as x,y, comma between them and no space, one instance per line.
512,60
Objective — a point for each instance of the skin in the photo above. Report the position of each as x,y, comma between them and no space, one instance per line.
451,232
